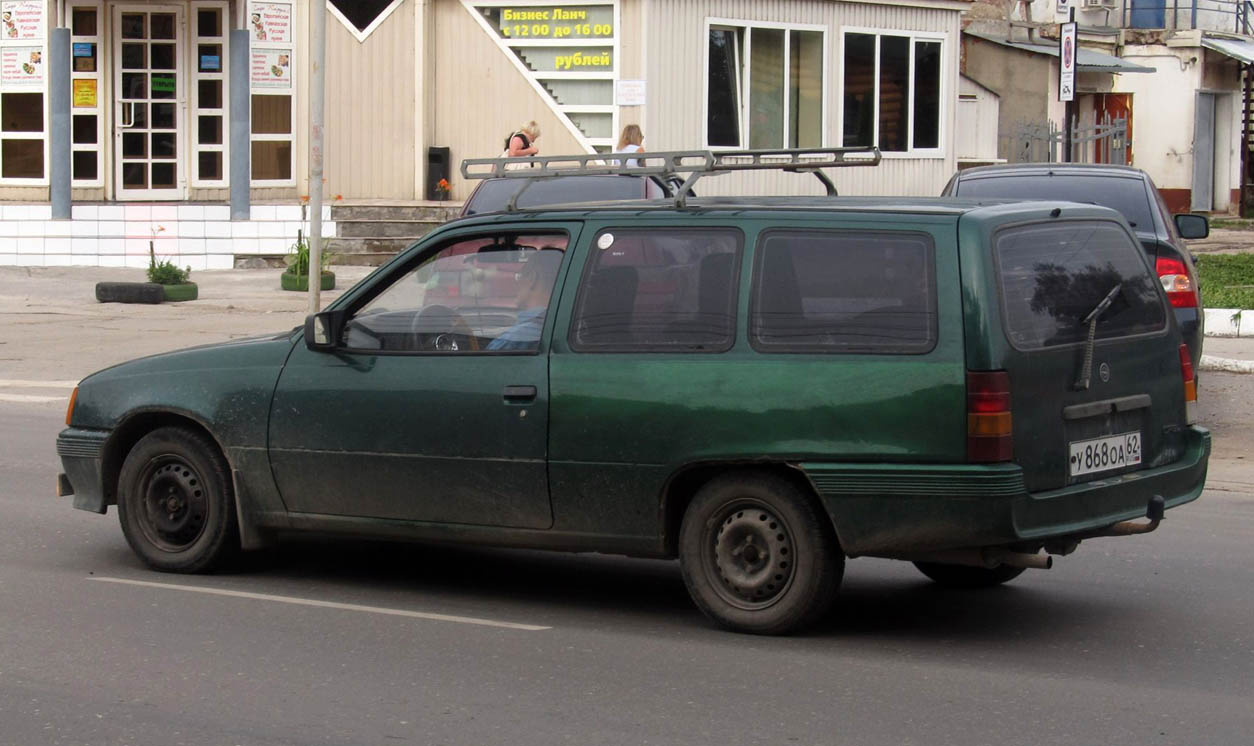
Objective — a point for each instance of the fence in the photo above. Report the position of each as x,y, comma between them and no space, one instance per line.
1100,140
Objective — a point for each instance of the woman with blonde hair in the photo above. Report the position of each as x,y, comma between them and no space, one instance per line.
631,141
522,142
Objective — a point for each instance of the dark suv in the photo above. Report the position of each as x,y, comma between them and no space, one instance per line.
1127,190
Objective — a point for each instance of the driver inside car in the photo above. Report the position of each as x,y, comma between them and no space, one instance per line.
535,285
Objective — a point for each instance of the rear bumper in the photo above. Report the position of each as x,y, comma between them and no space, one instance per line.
908,509
82,457
1192,329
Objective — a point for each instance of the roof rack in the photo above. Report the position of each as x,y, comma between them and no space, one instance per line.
691,164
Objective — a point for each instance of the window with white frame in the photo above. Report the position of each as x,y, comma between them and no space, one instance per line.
87,112
272,60
209,71
764,85
891,92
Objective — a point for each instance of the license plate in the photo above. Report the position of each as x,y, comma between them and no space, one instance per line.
1103,454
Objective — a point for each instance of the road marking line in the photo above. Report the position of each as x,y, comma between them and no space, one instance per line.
325,604
20,384
26,398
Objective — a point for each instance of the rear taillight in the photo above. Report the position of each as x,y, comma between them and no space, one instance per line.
988,416
1190,381
1176,280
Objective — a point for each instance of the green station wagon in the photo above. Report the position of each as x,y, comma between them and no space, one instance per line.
759,387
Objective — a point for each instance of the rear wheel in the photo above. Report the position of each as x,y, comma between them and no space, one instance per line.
175,502
964,576
757,556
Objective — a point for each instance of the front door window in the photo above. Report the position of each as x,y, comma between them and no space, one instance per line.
147,109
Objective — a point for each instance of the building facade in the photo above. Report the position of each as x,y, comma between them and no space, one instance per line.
185,122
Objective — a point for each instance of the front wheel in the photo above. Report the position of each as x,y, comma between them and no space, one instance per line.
758,556
964,576
176,503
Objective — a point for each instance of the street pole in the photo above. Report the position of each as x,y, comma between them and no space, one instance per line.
1069,107
317,90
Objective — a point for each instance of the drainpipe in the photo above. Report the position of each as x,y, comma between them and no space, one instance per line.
241,154
59,134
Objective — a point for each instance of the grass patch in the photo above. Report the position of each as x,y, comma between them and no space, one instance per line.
1227,280
1235,224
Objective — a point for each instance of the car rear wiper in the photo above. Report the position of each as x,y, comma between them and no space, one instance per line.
1086,369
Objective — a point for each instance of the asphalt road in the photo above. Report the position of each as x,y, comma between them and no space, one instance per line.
1139,640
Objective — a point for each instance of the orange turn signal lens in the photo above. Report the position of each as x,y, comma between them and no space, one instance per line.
69,410
988,425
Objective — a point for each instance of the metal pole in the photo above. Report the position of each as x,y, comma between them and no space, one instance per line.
1069,110
317,89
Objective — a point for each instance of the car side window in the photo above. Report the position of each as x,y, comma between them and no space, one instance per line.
487,294
843,292
659,289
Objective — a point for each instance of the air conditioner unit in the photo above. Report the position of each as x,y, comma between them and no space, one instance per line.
1098,4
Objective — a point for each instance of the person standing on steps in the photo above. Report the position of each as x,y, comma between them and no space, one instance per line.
631,141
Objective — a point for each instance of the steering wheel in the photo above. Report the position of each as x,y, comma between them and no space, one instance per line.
441,329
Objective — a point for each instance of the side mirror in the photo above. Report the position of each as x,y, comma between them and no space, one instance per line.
1191,225
322,330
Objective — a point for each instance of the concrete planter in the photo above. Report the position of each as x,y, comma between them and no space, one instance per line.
181,292
290,281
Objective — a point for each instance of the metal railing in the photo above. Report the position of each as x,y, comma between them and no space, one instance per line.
690,165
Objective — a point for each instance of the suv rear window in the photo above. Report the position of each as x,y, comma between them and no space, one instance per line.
842,291
494,194
1125,195
1053,276
660,289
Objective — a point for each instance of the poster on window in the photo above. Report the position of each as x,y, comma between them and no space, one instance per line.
270,22
22,19
272,68
22,65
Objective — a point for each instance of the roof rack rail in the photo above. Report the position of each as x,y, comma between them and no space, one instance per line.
694,164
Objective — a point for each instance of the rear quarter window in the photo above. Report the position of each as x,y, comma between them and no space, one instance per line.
1054,274
843,292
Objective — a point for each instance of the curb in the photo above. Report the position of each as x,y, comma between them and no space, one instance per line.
1225,364
1229,322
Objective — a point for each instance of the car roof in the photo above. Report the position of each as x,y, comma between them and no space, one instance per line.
1037,169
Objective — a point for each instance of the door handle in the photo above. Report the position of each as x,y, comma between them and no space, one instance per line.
520,393
128,108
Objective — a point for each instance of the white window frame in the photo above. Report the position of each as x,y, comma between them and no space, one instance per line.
912,36
291,92
103,93
43,89
743,92
194,76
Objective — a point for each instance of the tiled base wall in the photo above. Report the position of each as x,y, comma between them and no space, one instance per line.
196,236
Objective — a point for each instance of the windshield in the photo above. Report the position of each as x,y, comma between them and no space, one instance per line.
1125,194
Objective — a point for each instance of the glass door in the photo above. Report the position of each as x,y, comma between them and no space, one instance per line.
149,93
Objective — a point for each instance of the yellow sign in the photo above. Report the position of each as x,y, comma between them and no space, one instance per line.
85,93
585,22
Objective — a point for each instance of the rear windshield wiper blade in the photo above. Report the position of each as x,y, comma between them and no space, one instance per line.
1086,368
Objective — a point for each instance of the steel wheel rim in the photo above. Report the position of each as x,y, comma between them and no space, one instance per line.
749,555
174,506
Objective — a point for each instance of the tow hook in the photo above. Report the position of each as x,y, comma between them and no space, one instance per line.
1154,512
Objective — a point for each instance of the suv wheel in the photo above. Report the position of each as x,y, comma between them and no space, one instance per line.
757,556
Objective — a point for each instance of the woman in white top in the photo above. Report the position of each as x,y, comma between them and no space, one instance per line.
522,143
631,141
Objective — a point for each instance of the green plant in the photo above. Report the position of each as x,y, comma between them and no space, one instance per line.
165,273
298,258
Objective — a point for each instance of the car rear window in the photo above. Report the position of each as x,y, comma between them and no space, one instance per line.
843,291
1053,275
494,194
1127,195
660,289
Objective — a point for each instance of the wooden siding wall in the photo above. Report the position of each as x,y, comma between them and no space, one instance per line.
370,127
480,96
677,48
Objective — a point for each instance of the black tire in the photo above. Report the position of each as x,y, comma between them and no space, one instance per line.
965,576
176,503
758,556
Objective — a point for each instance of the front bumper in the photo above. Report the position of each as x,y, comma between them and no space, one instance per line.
902,510
82,457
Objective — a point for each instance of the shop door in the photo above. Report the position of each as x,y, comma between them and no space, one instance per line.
149,91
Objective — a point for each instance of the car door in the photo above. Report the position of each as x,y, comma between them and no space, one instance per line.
433,405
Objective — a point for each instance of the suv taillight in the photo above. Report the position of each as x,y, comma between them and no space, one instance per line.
989,435
1190,381
1177,281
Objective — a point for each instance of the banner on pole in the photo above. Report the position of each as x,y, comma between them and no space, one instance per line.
1066,62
